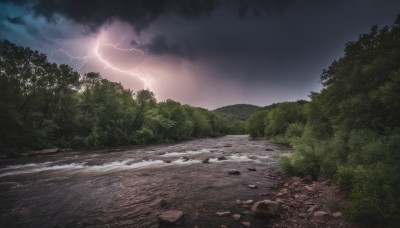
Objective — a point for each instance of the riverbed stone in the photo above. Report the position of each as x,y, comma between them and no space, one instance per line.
49,151
248,201
267,208
206,160
309,188
171,217
245,224
337,214
223,213
222,158
320,213
236,217
313,208
303,215
252,169
233,172
252,186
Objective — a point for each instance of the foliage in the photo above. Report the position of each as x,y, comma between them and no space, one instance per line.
46,105
281,122
352,128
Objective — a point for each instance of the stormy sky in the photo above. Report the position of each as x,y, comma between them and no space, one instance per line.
207,53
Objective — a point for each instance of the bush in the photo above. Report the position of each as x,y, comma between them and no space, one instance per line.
375,199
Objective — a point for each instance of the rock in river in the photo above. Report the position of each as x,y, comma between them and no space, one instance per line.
222,158
267,208
252,186
233,172
223,213
236,217
206,160
171,217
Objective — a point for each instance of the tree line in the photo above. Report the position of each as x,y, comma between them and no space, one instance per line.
350,130
45,105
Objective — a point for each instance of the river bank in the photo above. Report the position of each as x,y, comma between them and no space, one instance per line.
308,202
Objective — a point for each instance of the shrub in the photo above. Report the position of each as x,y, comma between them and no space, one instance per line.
375,199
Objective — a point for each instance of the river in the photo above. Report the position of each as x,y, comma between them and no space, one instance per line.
123,187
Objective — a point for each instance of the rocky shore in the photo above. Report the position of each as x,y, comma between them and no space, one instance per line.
291,202
307,202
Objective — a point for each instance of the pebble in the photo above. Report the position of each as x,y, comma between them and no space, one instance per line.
337,214
252,186
320,213
223,213
236,217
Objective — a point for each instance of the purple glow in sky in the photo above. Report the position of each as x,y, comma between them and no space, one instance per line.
203,53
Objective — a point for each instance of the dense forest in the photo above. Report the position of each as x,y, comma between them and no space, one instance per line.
350,130
45,105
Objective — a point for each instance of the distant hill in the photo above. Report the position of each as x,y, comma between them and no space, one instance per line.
238,111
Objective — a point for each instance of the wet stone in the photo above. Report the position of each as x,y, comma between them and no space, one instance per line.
222,158
236,217
337,214
320,213
233,172
223,213
171,218
252,186
303,215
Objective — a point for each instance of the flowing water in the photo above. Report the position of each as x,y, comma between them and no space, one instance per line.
123,187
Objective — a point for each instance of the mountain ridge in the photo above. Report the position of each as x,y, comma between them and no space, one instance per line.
238,111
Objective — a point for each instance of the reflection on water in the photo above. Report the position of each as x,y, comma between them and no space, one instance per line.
123,188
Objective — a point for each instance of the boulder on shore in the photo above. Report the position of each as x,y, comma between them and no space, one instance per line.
267,208
171,217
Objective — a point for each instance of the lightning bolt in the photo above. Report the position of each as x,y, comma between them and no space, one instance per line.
77,61
135,72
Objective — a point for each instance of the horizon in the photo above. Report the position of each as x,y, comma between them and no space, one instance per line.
208,55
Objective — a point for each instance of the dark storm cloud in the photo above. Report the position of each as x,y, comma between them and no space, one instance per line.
16,20
141,13
159,45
